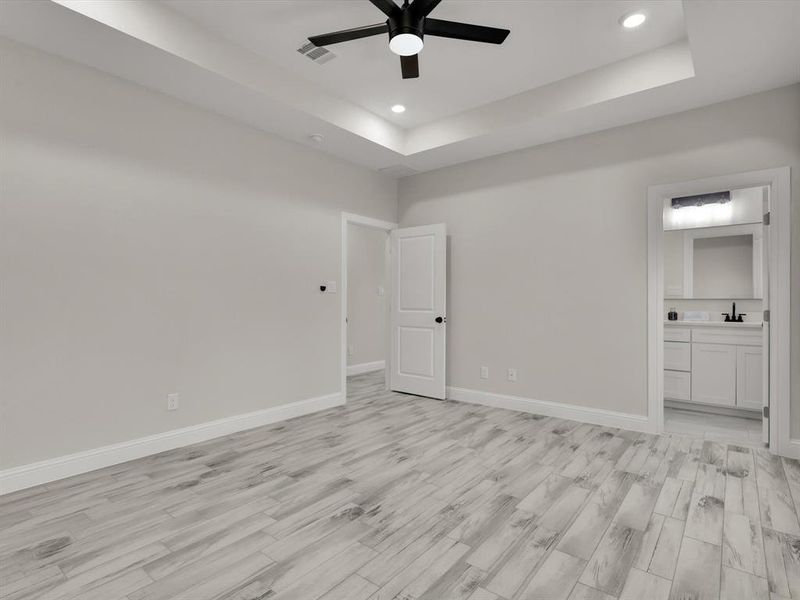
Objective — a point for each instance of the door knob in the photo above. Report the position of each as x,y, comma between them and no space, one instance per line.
440,319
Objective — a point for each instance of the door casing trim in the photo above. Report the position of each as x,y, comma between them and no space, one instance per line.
779,182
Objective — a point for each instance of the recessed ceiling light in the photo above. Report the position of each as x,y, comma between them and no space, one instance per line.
633,20
398,108
316,138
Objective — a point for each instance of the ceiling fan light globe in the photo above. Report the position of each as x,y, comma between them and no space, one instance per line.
406,44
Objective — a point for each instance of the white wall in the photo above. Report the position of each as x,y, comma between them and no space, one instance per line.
366,309
149,247
548,247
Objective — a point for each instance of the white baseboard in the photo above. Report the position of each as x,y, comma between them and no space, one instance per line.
26,476
368,367
595,416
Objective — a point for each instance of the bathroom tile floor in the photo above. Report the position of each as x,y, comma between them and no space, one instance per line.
717,428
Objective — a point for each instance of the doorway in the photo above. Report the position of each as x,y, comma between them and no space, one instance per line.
365,345
366,299
410,291
717,278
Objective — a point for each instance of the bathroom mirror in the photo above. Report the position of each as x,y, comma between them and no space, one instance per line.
713,262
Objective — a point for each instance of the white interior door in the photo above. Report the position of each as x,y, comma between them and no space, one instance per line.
418,319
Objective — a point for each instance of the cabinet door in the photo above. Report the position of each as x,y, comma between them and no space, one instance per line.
749,362
714,374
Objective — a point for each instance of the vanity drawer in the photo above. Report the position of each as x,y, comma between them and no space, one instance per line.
677,334
712,335
677,385
677,356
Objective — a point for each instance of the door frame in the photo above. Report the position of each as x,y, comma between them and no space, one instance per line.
387,226
779,182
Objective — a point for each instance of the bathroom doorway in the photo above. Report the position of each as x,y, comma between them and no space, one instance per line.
365,292
715,271
366,299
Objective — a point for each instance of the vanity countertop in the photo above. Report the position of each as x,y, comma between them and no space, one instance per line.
745,325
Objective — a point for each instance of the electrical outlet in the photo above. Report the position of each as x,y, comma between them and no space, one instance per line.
381,291
484,372
349,351
173,400
512,374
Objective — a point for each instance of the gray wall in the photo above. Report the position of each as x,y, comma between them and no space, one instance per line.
548,247
149,247
366,310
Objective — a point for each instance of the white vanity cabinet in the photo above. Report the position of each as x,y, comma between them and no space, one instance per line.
714,364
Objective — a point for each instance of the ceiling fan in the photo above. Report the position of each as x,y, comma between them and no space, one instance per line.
406,26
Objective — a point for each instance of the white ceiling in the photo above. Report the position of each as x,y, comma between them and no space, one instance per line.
567,68
455,75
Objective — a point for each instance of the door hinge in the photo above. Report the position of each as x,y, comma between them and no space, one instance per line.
766,412
766,218
765,318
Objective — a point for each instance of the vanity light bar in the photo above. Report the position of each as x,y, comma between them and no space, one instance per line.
701,199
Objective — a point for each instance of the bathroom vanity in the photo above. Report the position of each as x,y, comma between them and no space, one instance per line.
714,363
715,268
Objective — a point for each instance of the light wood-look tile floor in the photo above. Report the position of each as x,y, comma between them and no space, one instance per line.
400,497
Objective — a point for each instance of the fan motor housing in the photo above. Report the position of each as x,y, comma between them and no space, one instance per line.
406,22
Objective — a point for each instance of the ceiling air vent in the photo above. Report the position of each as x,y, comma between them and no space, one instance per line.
317,54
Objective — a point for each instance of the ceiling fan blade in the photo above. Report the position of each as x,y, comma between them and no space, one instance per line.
387,7
465,31
326,39
422,8
409,65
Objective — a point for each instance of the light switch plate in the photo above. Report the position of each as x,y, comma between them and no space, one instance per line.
330,287
512,374
484,372
381,291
